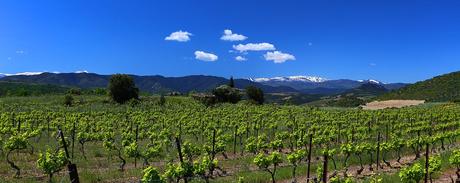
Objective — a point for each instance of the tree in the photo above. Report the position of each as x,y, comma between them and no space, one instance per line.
162,100
226,93
255,94
231,83
122,88
68,100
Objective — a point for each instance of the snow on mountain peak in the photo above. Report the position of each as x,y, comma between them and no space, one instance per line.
371,81
313,79
37,73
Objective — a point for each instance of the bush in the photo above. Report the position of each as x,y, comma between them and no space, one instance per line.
226,93
51,162
162,100
151,175
205,99
255,94
347,101
100,91
74,91
413,174
122,88
455,161
133,102
68,100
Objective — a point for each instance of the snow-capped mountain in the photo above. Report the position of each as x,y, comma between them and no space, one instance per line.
35,73
319,85
371,81
313,79
21,74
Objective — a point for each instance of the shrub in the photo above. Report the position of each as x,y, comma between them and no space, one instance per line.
68,100
74,91
347,101
133,102
151,176
162,100
205,99
51,162
264,162
122,88
455,160
100,91
226,93
412,174
255,94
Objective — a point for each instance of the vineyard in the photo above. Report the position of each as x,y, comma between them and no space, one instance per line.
184,141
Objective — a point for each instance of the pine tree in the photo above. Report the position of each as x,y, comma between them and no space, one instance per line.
231,82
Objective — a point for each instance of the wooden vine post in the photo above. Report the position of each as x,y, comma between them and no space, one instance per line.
378,150
72,168
427,162
309,157
326,161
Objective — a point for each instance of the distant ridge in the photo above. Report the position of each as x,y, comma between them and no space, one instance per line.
438,89
370,89
200,83
152,84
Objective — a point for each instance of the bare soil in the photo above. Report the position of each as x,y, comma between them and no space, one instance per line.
391,104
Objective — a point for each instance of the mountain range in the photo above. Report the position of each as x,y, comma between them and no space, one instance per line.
199,83
318,85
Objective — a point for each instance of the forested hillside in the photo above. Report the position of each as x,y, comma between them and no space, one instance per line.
438,89
27,89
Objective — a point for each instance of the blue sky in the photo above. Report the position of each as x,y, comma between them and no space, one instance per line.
388,40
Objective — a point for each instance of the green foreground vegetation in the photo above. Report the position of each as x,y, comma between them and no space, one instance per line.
241,142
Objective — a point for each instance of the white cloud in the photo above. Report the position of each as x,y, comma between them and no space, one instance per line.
278,57
208,57
240,58
20,52
254,47
9,58
80,72
372,64
181,36
230,36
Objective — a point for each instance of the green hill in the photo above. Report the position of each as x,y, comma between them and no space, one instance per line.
28,89
366,90
438,89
